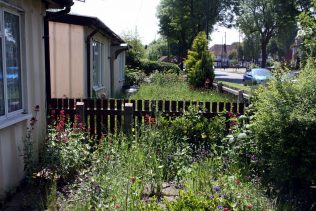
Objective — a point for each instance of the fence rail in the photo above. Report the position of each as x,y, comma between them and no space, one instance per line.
103,116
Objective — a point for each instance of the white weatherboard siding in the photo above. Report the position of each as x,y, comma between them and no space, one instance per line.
12,130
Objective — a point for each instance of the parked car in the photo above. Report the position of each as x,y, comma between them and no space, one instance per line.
256,76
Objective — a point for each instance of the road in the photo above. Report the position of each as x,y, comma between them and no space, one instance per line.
229,74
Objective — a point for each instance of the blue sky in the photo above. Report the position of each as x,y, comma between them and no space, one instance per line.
124,16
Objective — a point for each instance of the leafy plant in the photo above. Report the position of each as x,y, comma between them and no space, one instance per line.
67,147
285,130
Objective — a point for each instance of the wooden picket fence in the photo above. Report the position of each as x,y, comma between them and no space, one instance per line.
103,116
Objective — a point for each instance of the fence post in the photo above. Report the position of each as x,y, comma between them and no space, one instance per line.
220,87
240,96
80,111
128,118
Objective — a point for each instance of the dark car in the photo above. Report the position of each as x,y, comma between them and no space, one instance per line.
256,76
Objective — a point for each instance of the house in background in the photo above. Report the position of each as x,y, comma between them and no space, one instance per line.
87,59
22,82
221,53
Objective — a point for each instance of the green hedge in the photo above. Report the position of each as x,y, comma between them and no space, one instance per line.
152,66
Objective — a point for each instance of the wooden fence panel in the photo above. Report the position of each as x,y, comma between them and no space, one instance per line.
98,118
104,116
105,120
119,116
112,115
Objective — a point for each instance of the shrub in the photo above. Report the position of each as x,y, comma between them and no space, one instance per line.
285,128
152,66
199,63
133,76
199,132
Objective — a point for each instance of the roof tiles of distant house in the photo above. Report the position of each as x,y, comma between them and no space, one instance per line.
92,22
218,49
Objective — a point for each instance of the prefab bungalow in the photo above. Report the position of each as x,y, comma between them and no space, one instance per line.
87,59
22,82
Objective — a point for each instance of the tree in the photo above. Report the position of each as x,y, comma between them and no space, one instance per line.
181,20
307,33
137,52
251,47
159,48
199,63
265,18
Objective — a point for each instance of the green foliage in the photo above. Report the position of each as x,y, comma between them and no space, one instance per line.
196,130
67,148
285,130
133,76
152,66
210,186
265,18
168,86
136,52
199,63
307,31
180,21
157,49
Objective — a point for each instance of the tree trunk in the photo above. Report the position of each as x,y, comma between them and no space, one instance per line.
264,54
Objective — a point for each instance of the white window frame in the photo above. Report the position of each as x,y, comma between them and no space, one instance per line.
100,72
9,115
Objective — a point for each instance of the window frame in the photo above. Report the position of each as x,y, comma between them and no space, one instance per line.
7,114
100,73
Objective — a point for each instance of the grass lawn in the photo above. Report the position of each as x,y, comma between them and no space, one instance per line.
173,87
239,86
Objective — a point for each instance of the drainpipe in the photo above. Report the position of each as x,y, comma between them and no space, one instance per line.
48,17
88,42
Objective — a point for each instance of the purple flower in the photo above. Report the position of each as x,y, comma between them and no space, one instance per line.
222,195
253,157
219,207
217,189
212,196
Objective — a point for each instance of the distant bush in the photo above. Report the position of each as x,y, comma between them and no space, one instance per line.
133,76
152,66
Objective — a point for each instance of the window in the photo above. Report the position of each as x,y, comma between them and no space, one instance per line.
121,66
10,64
97,64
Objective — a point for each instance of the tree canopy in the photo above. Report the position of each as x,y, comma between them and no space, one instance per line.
182,20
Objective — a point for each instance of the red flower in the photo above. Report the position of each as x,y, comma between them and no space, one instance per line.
146,119
238,182
249,206
117,206
52,118
65,140
225,209
53,111
230,114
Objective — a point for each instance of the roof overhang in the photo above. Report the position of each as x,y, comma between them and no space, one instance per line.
94,23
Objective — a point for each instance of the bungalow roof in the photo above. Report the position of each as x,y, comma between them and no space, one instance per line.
92,22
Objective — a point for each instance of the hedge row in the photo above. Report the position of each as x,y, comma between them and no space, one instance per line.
152,66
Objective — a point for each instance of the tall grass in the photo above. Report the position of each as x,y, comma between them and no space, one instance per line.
174,87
